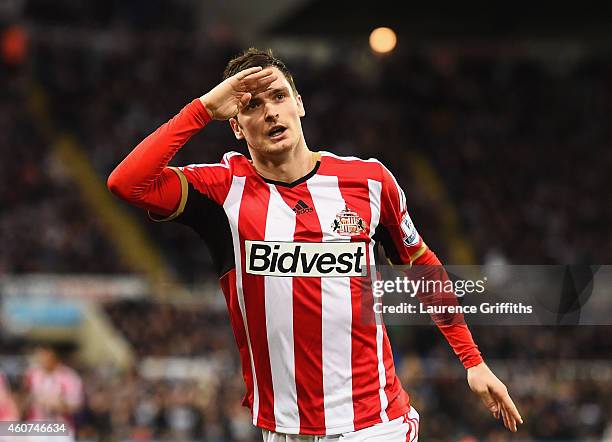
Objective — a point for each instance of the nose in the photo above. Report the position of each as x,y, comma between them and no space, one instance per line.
271,115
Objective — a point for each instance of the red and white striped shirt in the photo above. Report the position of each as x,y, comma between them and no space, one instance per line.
61,385
289,257
8,407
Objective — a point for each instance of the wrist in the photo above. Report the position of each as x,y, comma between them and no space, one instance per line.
478,367
207,107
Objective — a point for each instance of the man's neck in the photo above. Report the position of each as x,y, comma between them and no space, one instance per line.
286,167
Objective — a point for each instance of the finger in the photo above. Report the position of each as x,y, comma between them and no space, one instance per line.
256,88
262,86
240,75
508,403
511,419
251,83
256,76
513,422
244,100
499,411
505,419
489,402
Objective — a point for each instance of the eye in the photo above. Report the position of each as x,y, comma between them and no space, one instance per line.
252,104
280,96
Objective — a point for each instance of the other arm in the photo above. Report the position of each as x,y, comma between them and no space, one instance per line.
406,247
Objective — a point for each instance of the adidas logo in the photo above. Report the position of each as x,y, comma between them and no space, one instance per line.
301,207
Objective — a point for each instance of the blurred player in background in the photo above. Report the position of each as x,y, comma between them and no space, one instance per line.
8,407
290,230
53,391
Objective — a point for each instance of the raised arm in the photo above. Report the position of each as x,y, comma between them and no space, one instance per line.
143,178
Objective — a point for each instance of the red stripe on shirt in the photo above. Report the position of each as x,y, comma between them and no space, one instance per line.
228,286
398,399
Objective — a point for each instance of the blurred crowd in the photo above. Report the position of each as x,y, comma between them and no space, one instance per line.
169,329
560,378
129,406
554,406
45,224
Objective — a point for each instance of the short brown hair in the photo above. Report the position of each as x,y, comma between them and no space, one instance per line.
256,57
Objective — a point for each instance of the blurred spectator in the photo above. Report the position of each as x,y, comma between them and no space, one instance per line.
54,391
8,407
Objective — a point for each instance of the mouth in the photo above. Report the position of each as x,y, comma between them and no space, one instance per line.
277,132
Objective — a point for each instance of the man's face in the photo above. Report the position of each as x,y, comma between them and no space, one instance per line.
270,123
46,358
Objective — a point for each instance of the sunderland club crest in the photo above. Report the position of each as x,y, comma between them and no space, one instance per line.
348,223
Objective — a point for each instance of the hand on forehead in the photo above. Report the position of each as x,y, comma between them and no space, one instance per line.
280,83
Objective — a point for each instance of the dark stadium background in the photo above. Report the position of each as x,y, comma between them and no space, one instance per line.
494,118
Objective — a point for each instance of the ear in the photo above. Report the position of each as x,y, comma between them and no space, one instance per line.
301,111
236,128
